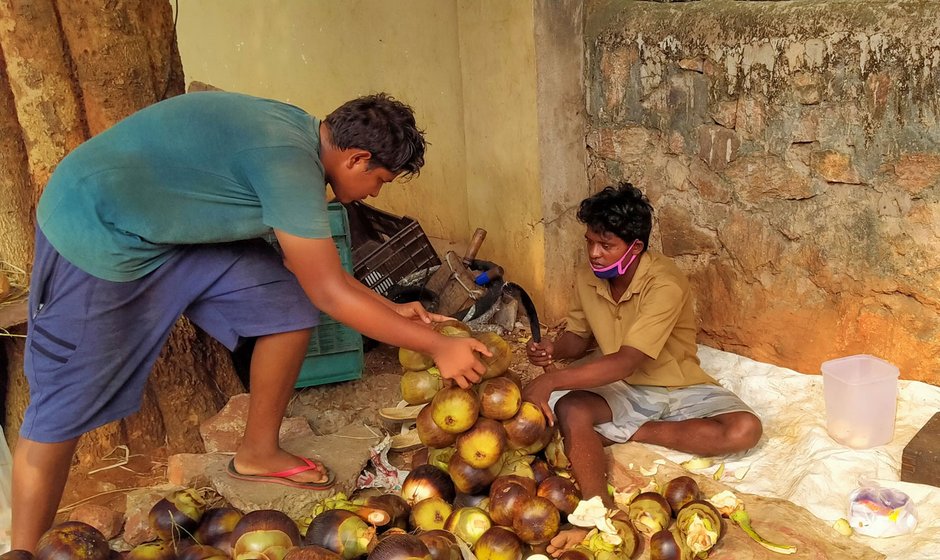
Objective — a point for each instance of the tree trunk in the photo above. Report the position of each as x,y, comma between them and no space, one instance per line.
68,70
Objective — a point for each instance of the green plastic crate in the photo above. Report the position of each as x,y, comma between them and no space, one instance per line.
335,351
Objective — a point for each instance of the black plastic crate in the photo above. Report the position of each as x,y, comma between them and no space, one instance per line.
387,248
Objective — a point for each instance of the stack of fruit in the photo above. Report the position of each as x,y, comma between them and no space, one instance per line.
491,474
421,380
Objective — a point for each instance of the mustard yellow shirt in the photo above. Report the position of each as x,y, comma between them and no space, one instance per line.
654,315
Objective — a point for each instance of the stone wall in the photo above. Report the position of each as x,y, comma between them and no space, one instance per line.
792,153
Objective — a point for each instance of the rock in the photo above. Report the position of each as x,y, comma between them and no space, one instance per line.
626,144
751,117
346,453
137,527
189,469
195,86
807,88
105,519
717,146
223,432
711,186
681,236
917,171
759,177
752,241
616,65
693,64
725,113
835,167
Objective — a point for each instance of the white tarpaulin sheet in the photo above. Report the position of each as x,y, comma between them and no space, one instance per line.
798,461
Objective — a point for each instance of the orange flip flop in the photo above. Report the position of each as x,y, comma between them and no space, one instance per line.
283,477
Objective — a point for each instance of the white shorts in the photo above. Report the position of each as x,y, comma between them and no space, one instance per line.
634,405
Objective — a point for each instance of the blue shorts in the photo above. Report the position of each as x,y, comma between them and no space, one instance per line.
91,343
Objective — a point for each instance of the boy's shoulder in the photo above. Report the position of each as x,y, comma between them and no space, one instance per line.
660,263
662,271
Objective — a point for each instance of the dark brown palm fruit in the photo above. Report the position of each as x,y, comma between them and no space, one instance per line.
680,491
506,501
470,480
665,546
537,522
72,540
442,544
400,547
560,491
498,543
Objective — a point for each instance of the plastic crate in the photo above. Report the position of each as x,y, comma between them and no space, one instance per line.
320,369
335,350
387,248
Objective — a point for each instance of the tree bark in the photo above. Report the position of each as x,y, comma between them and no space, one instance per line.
68,70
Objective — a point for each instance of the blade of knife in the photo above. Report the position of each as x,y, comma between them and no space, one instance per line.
511,288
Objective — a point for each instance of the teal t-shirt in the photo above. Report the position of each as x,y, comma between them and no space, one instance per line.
207,167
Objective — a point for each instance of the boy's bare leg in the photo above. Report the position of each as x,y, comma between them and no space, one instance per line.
40,471
578,412
718,435
275,364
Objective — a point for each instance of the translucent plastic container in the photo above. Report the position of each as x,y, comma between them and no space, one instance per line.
861,400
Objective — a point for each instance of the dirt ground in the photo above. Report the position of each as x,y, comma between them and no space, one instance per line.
328,408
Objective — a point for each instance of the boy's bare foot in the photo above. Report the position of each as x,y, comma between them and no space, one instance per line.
565,539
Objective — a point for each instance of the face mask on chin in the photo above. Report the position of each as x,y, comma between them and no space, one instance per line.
618,268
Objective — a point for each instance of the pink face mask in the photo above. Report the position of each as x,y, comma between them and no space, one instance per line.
618,268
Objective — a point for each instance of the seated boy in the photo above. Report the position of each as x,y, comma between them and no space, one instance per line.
644,382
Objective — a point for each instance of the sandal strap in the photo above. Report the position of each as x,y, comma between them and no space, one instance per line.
309,466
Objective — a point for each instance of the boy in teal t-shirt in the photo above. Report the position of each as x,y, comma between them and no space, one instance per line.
158,217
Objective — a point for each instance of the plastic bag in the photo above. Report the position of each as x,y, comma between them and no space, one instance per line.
876,511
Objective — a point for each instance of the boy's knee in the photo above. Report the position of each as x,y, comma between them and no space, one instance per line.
571,410
745,432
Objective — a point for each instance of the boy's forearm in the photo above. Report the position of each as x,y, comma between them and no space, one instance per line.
602,371
373,316
569,346
335,292
359,286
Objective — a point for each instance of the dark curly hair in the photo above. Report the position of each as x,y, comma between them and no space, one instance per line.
622,210
383,126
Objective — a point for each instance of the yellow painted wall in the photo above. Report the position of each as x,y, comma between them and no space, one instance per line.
466,66
497,45
318,54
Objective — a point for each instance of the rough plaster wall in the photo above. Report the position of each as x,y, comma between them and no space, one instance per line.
792,153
